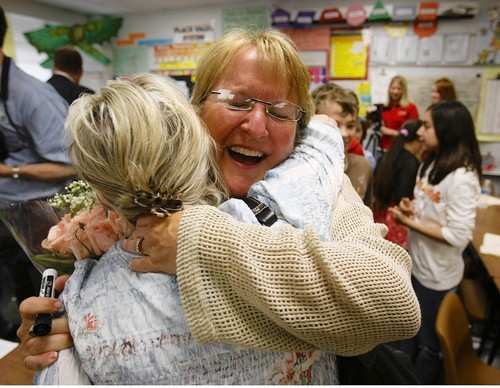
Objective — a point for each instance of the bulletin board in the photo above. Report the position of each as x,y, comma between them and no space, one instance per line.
179,58
313,46
348,57
488,119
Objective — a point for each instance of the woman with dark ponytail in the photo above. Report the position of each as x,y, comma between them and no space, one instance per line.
395,177
441,219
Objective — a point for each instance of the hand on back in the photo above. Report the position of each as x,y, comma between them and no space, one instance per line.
158,245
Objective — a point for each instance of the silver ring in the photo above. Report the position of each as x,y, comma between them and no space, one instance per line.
138,246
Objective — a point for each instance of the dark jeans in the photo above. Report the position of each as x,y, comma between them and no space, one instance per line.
18,280
424,349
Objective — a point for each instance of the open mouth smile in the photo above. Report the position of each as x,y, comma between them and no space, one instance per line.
245,155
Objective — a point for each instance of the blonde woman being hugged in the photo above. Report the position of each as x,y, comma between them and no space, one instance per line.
397,111
258,118
441,219
142,148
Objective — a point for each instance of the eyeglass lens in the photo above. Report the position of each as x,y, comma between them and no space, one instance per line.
282,110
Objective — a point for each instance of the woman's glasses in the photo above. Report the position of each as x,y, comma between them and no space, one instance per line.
280,110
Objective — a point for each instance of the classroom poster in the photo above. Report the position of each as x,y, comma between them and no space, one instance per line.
430,49
407,49
348,57
178,59
491,114
489,106
381,49
313,46
246,18
130,60
456,47
195,33
364,93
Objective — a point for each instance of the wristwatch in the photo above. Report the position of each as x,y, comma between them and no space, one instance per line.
15,170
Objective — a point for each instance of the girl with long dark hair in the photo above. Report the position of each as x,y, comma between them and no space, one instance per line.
395,177
441,220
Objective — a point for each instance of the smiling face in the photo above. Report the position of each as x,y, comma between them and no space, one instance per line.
427,133
249,142
396,91
435,96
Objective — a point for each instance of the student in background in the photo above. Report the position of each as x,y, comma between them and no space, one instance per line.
342,105
395,177
441,219
358,167
68,71
443,90
360,134
397,111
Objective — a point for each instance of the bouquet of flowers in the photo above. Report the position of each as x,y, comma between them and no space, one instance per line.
86,229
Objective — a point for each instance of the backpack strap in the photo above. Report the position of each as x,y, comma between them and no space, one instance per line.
262,212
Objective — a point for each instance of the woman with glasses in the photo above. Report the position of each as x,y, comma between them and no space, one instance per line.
119,319
275,289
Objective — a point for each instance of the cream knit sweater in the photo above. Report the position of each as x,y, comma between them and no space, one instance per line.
283,289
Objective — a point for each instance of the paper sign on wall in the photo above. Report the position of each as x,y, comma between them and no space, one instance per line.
381,49
247,18
130,60
180,58
456,47
431,49
407,49
348,57
195,33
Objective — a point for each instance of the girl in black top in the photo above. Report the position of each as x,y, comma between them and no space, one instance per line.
395,178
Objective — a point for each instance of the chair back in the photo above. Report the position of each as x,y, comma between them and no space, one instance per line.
452,327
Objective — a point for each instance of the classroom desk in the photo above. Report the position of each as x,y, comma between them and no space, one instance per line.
488,221
12,370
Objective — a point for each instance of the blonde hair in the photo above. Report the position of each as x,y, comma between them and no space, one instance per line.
141,135
278,55
404,102
346,98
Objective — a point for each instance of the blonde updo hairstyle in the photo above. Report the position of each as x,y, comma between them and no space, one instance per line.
140,134
278,56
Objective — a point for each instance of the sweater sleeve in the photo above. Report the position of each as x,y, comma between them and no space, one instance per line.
283,289
461,202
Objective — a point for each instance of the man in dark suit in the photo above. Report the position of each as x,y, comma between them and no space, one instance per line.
67,73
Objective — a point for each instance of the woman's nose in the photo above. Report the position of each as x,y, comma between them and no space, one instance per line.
256,121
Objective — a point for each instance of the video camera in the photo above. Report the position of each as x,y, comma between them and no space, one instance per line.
374,116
